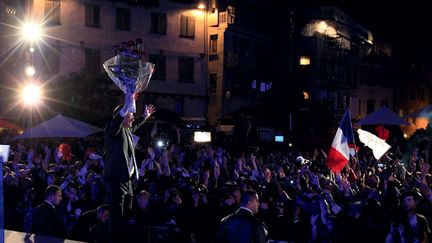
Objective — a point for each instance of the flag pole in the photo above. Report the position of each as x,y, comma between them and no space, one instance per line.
354,142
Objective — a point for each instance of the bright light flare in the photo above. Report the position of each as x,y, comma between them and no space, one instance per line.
201,6
31,95
160,143
31,31
30,71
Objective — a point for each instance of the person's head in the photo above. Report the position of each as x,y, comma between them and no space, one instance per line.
102,213
410,199
53,194
143,198
51,178
65,152
71,191
128,118
237,194
250,200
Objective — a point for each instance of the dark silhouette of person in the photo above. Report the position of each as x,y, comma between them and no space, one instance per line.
120,165
46,220
242,226
81,230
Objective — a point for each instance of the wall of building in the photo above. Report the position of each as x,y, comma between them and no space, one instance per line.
72,38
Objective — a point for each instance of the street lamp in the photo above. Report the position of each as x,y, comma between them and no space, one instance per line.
31,95
30,71
31,31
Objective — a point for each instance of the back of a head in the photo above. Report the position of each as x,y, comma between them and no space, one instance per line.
143,193
247,196
103,207
51,190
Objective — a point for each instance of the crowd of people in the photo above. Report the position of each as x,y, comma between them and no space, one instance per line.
191,192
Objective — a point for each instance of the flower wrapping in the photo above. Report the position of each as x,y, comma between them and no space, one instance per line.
128,71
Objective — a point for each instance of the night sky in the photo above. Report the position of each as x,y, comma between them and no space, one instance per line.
406,25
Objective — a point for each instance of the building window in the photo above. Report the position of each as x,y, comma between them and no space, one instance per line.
403,93
179,107
123,19
52,12
421,94
92,61
186,69
304,61
213,44
52,60
160,64
158,23
92,15
231,15
212,84
187,26
370,106
413,95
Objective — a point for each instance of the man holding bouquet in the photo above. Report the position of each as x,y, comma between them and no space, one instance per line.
120,166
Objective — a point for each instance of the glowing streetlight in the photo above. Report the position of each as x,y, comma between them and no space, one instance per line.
30,71
31,31
31,95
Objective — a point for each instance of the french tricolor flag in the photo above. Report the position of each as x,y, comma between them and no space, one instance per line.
339,153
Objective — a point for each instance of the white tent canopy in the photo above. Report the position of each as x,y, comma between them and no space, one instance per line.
59,126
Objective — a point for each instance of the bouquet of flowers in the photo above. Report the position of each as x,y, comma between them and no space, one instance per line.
128,70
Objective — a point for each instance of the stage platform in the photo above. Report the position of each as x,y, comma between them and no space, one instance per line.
18,237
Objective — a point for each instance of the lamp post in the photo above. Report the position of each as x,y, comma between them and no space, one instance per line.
31,94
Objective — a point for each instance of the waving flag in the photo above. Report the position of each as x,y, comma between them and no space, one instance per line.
339,153
379,146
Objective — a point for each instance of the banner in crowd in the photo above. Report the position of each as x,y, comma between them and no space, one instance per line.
379,146
339,153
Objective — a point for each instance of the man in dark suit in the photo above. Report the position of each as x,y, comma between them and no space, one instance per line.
242,226
82,229
120,165
46,220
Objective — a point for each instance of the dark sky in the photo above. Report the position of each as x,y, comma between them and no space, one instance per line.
403,24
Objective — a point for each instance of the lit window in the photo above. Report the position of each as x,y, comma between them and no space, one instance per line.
263,87
304,60
305,95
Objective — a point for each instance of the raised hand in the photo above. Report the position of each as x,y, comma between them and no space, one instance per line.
151,152
148,111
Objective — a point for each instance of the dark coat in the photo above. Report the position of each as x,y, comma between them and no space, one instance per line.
119,148
46,221
241,227
81,230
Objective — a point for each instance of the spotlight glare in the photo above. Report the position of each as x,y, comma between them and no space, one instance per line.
30,71
31,49
31,94
31,31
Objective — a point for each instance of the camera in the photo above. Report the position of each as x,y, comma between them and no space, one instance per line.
161,144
